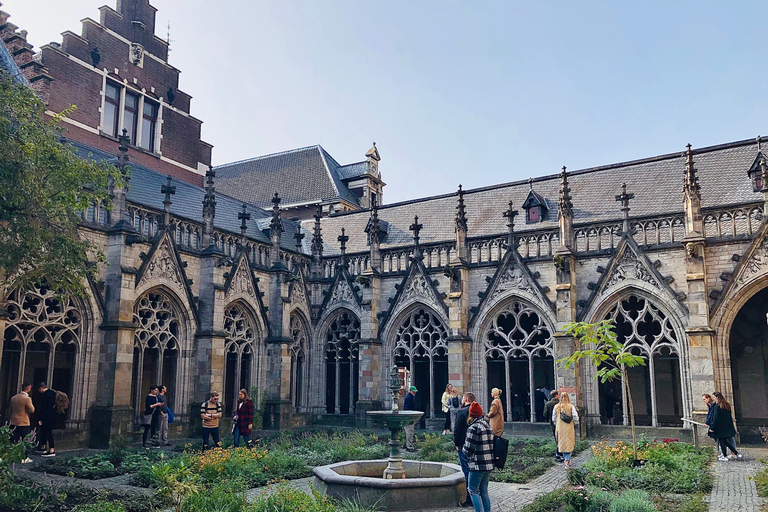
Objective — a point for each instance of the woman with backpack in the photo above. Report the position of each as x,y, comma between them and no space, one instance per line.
478,448
721,427
565,416
447,401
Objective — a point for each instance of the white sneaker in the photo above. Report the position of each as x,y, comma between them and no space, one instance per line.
26,461
731,456
740,456
722,459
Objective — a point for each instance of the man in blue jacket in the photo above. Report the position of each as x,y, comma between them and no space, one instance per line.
410,405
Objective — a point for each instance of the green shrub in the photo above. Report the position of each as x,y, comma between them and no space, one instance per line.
287,499
103,465
549,502
761,482
436,448
695,504
100,506
632,500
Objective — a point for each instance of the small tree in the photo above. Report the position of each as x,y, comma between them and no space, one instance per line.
610,358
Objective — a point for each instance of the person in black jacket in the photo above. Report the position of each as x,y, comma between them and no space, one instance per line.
548,408
721,427
46,420
460,437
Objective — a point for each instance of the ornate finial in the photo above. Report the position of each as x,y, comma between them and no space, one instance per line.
122,159
416,228
317,237
373,233
168,190
566,205
461,213
298,236
691,185
242,217
530,183
624,199
759,140
276,225
343,239
209,201
510,215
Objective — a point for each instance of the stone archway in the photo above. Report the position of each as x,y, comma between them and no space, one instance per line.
748,350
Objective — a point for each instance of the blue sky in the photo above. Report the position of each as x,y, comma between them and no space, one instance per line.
458,92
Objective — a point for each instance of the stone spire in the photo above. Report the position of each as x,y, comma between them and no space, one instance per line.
343,239
694,222
416,228
168,190
510,215
565,211
374,236
624,198
691,187
276,230
317,236
298,236
764,171
209,208
461,227
119,206
243,216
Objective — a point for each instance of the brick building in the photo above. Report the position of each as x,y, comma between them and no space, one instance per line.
210,290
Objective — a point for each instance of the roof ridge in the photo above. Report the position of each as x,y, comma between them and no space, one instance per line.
323,153
271,155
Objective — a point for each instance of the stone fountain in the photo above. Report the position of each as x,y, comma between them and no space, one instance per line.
393,484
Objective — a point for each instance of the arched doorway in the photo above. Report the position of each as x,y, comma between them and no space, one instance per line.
156,345
341,362
749,366
421,347
656,387
42,340
519,356
241,344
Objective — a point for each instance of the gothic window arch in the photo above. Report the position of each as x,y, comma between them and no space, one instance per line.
156,344
42,340
342,336
519,355
646,331
241,345
421,346
299,347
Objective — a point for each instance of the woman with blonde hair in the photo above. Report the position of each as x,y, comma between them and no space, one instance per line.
565,416
446,400
496,413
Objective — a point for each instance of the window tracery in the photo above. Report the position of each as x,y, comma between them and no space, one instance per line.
341,350
242,333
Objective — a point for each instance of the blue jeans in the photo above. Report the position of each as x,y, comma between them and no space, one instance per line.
246,438
478,490
566,455
464,469
210,432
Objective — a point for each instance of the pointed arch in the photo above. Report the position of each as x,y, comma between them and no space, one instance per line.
654,329
299,332
244,348
515,352
338,336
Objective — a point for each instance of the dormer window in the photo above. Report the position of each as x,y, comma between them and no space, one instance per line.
535,207
755,172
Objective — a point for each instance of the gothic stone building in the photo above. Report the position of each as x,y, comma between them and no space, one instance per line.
208,290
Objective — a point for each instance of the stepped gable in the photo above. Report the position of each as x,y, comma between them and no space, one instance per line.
656,182
301,175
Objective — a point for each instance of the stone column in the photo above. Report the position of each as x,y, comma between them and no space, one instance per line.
372,360
279,408
210,355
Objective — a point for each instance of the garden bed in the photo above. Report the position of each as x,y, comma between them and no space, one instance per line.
593,499
102,465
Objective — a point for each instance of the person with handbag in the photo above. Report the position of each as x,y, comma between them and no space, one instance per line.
565,416
496,413
242,423
151,403
548,408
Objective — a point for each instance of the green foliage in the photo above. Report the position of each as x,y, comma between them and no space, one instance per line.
100,506
633,500
529,458
175,482
437,448
10,453
695,504
287,499
761,482
43,188
103,465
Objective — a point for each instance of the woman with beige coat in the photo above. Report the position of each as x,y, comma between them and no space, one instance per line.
496,413
565,431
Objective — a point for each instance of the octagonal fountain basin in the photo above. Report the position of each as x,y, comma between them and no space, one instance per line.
426,484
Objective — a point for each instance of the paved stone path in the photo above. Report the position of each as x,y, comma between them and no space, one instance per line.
733,491
504,497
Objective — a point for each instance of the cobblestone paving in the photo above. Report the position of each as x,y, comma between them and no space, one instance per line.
504,497
733,491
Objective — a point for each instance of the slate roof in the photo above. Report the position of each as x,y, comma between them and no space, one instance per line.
144,190
656,182
350,171
301,175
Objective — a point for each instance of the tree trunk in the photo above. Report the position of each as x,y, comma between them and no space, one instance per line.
631,410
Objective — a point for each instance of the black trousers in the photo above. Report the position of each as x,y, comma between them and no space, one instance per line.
558,455
45,435
725,445
447,425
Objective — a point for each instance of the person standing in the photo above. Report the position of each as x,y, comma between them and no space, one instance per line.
446,400
478,448
548,408
539,400
151,403
565,416
722,427
21,408
210,412
47,419
460,437
410,405
243,420
496,413
163,420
